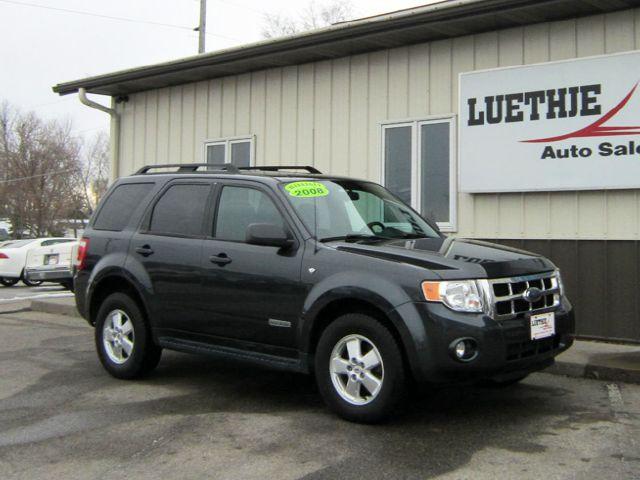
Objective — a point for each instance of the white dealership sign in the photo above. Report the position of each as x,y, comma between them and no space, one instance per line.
570,125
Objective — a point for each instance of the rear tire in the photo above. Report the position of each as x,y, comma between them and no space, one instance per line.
359,369
8,282
123,338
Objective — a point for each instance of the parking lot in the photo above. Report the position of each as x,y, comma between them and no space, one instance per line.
22,292
62,416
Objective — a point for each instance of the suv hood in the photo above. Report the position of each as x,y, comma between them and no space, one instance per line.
454,258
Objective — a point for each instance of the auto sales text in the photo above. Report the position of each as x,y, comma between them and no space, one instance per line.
605,149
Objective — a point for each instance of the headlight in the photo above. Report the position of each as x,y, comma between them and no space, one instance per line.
458,295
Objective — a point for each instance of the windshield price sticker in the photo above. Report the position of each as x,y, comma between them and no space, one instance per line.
306,189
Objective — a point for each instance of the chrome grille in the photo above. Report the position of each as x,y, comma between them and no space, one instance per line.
507,299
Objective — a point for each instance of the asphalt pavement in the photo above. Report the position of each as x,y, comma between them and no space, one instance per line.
62,416
22,292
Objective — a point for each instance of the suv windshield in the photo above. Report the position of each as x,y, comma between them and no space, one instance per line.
347,209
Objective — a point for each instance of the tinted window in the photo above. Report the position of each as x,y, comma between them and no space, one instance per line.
120,205
180,210
239,207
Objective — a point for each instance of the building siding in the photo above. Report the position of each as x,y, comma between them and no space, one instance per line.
328,113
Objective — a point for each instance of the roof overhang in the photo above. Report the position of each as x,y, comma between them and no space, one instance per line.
437,21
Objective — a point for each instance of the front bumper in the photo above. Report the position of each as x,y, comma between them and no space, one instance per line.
49,274
505,349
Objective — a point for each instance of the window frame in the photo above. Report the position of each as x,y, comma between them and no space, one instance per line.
416,165
228,142
145,228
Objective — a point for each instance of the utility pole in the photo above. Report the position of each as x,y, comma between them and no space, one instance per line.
202,27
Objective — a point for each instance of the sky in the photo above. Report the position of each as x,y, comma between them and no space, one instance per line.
45,43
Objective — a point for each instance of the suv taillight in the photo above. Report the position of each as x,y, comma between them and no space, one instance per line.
3,255
82,253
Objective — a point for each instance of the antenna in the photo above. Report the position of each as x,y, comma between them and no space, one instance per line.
315,223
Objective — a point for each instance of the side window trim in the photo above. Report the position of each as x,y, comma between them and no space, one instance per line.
289,223
145,225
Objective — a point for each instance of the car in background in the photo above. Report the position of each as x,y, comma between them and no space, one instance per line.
13,258
52,263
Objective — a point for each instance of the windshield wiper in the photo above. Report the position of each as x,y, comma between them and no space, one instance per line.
353,237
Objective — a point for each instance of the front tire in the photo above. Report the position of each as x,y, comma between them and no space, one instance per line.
359,369
8,282
123,338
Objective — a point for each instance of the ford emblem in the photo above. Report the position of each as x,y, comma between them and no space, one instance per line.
532,294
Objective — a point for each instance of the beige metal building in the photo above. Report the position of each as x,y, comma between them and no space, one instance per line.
378,98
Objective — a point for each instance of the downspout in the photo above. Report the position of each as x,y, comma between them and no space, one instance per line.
114,144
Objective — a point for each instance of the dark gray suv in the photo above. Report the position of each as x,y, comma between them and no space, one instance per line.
291,269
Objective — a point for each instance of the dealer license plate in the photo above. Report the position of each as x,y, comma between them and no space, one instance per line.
543,325
51,259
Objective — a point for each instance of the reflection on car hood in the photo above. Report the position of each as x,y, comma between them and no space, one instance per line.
454,258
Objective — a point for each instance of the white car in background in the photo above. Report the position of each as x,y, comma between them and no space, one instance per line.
52,263
13,258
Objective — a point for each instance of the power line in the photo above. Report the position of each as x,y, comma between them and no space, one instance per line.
36,176
111,17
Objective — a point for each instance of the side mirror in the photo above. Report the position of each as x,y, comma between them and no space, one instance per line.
268,235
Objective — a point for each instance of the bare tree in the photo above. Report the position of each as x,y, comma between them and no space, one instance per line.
92,175
38,160
314,15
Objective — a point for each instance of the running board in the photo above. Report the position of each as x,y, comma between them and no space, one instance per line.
217,351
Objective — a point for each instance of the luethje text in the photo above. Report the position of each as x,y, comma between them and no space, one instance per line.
553,103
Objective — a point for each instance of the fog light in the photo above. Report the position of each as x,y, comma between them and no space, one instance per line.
464,349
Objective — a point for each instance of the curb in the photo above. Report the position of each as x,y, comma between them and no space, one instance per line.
48,306
594,372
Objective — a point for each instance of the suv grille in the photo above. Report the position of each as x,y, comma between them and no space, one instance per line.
509,301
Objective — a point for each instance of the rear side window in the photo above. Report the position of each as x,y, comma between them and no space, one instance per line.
180,210
120,205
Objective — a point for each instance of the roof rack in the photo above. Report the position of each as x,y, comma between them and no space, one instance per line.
191,167
222,167
276,168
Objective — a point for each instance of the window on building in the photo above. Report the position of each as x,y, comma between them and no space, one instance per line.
418,166
116,212
237,150
241,206
180,210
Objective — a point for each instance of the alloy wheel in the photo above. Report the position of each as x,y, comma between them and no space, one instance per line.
118,336
357,370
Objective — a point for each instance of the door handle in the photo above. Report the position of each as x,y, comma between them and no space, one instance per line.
221,259
144,250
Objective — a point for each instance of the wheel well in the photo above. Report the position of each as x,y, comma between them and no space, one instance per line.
337,308
111,285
